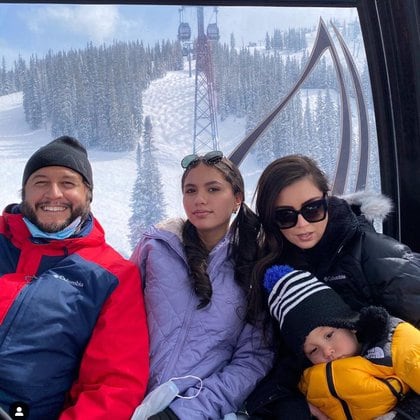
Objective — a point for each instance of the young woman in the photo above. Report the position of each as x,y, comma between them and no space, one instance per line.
196,276
334,239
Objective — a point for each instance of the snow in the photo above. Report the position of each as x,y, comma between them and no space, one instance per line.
170,103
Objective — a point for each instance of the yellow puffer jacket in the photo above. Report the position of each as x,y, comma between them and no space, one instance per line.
360,389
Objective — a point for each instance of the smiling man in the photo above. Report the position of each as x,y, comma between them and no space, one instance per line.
73,335
57,188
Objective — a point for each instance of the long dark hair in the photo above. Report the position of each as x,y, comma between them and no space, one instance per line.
278,175
243,250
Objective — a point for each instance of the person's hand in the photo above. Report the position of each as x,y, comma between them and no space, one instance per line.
317,413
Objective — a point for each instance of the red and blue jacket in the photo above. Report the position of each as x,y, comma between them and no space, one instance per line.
73,332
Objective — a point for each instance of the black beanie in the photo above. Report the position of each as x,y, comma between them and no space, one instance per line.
64,151
301,303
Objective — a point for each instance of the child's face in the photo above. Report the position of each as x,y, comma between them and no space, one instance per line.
324,344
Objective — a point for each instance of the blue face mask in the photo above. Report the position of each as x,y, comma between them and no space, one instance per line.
68,231
160,398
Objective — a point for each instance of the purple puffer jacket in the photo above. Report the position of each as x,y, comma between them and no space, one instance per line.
213,343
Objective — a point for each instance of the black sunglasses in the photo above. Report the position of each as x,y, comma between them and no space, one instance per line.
210,158
313,212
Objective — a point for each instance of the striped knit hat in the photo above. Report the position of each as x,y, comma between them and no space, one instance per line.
301,303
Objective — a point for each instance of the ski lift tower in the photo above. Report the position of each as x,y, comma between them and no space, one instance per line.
205,122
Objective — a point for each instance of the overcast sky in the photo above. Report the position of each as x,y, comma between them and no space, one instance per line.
27,29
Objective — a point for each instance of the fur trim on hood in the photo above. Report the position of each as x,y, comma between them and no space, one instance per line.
374,206
173,225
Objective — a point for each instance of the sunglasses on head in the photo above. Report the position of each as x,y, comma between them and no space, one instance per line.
313,212
209,158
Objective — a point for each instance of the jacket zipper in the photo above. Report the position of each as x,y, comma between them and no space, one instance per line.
333,391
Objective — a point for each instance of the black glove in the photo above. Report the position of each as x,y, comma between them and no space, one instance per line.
408,408
166,414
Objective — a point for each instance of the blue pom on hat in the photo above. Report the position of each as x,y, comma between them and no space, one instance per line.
274,274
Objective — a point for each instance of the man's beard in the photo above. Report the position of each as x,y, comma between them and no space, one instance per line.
29,213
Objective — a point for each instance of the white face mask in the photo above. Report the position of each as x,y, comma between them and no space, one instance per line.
160,398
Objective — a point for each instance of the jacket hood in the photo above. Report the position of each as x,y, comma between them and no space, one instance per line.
168,230
374,206
173,225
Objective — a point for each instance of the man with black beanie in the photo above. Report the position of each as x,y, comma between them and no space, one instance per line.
73,334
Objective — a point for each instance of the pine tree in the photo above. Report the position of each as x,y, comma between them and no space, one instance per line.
232,41
148,205
138,202
277,43
32,96
4,89
308,126
19,73
267,42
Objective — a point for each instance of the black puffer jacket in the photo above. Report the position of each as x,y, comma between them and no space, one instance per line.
364,267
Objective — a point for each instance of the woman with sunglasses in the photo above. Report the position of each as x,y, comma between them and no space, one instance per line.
334,239
196,276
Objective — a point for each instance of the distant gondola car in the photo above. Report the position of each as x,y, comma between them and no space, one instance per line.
184,32
213,32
